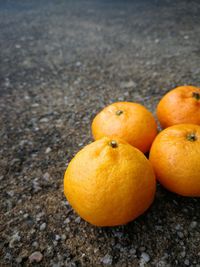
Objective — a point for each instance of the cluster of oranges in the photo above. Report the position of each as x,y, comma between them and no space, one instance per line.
111,182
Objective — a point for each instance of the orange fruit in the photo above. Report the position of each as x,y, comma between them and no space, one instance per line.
129,121
109,182
180,105
175,156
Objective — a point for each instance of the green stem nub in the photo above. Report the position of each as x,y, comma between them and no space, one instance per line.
196,95
191,137
119,112
113,144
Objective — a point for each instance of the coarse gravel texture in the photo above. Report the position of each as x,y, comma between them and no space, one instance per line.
61,61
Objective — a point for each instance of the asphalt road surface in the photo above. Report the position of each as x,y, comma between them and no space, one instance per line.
60,63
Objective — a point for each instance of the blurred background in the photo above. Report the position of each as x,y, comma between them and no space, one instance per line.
61,61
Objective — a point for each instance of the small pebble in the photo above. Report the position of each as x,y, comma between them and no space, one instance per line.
23,142
126,93
128,84
44,120
35,244
15,238
8,256
80,144
65,203
178,227
7,82
35,105
185,210
132,251
63,237
10,193
193,225
19,259
35,257
18,46
39,215
14,161
66,221
25,216
36,186
78,220
46,176
180,235
57,237
96,250
107,259
78,64
43,226
55,243
187,262
32,231
26,97
183,254
158,227
70,264
175,202
145,257
48,150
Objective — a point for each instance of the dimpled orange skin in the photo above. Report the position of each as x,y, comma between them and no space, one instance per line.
135,124
107,185
180,105
175,156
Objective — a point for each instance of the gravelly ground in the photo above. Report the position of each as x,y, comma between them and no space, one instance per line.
60,63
